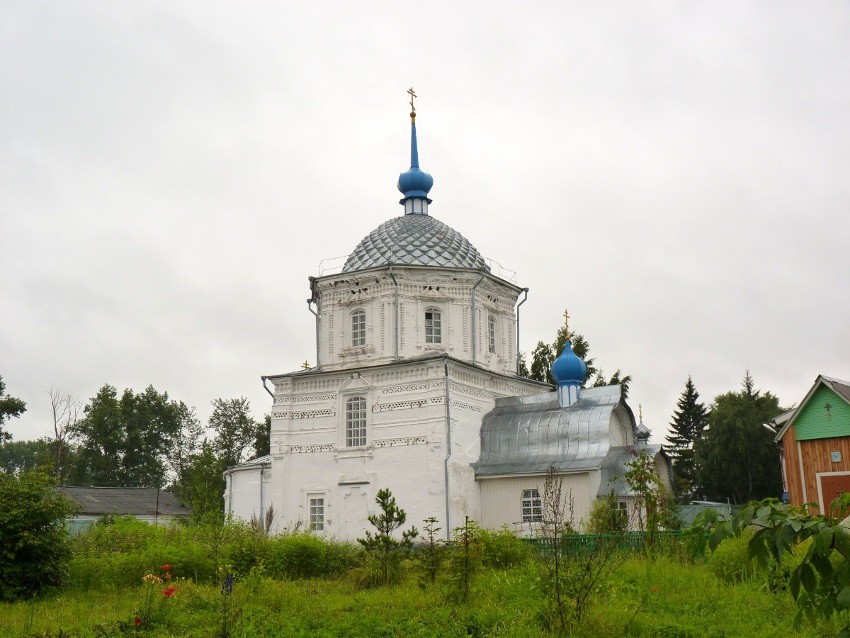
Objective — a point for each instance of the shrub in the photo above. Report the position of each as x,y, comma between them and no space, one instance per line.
605,516
34,550
731,561
502,549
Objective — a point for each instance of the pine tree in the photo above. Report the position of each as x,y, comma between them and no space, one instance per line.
689,422
736,457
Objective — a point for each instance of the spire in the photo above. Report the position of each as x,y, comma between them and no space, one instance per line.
415,183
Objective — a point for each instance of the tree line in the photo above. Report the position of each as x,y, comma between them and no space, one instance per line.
138,439
724,452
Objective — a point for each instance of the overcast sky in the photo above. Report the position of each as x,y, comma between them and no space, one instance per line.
676,174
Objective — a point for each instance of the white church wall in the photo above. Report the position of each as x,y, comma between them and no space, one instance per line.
406,444
248,492
447,291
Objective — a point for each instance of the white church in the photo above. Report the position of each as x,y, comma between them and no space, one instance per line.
415,389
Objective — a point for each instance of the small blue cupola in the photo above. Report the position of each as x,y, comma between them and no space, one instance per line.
569,372
415,183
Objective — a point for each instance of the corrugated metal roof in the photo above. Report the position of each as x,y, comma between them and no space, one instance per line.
528,435
415,240
132,501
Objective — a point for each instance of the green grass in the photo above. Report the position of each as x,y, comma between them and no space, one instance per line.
301,585
664,598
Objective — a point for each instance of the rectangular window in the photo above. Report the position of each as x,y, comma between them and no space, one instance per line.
355,422
317,513
433,327
532,506
358,328
491,333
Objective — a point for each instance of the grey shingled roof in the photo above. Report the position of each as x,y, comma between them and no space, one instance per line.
842,388
527,435
132,501
415,240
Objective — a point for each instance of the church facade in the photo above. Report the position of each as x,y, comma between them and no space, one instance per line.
416,344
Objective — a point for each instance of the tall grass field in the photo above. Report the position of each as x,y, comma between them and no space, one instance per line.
126,577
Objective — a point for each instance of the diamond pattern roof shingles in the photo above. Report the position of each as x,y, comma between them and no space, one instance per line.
414,240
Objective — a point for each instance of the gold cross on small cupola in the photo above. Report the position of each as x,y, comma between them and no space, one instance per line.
567,322
305,365
412,95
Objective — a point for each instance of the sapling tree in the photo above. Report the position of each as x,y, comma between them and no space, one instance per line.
381,544
431,553
654,506
571,572
464,558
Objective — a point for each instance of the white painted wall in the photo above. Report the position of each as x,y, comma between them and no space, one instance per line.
501,498
419,289
406,446
248,491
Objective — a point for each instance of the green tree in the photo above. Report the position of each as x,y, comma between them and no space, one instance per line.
544,354
34,551
22,456
689,422
262,438
9,407
381,544
184,446
101,441
202,487
151,422
126,441
234,428
736,458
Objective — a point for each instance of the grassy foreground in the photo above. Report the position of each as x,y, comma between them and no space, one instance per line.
665,598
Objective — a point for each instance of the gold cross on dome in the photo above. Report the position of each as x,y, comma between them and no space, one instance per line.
305,365
567,322
412,94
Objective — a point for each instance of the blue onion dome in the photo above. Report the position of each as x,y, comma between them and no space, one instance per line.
414,182
568,369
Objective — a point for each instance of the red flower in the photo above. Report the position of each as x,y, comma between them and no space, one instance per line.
166,567
169,591
137,621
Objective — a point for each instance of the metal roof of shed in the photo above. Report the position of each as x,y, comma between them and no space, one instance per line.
530,434
130,501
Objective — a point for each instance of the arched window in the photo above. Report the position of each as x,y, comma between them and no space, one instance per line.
355,422
433,326
358,328
491,333
532,506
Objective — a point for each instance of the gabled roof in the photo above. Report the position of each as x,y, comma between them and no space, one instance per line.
130,501
529,434
840,387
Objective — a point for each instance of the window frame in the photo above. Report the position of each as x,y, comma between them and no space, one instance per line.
317,507
356,432
433,326
491,334
358,333
531,506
